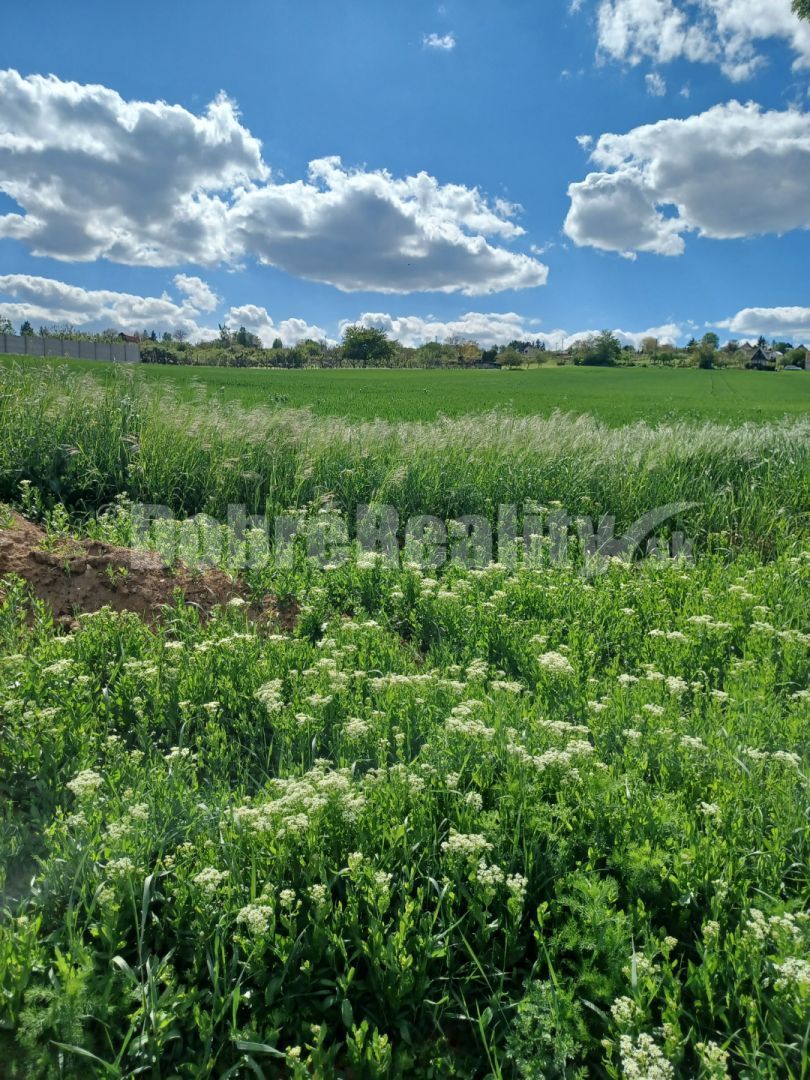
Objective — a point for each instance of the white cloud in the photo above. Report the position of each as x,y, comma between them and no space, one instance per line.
134,182
363,230
732,171
199,292
257,320
442,42
723,32
493,328
46,300
772,322
153,184
656,84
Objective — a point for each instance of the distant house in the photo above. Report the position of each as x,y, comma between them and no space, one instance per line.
132,339
763,359
487,364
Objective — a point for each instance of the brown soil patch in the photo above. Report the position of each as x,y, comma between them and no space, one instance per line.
74,576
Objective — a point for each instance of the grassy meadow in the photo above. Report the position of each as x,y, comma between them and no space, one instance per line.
615,396
502,821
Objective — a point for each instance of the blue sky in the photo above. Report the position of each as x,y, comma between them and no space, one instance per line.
674,227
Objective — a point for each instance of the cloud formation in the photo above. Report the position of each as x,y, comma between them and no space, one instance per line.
656,84
793,322
494,328
46,300
732,171
257,320
153,184
442,42
722,32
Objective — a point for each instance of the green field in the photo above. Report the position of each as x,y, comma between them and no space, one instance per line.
617,396
534,817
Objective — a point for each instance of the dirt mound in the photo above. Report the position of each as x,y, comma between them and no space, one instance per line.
74,576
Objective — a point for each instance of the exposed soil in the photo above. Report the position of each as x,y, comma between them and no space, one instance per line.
74,576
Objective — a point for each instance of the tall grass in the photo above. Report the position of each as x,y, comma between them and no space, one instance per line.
83,444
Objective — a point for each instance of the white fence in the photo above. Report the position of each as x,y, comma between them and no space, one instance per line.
123,352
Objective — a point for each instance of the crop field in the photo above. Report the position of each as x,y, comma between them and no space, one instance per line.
542,814
614,396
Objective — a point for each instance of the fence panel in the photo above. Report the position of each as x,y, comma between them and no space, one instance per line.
121,352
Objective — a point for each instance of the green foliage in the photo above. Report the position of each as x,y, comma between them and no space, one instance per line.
706,354
406,839
546,820
86,448
614,396
367,346
802,8
602,350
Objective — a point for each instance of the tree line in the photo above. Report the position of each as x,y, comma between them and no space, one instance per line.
363,346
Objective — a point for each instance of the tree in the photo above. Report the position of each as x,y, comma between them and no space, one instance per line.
510,357
5,326
711,339
797,356
602,350
802,8
277,344
27,329
366,345
649,345
705,354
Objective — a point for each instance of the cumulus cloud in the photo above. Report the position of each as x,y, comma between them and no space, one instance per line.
257,320
134,182
442,42
772,322
656,84
199,292
46,300
494,328
722,32
364,230
153,184
733,171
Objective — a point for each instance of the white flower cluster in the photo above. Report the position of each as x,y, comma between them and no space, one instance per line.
255,918
120,868
490,876
624,1011
270,695
517,885
467,845
714,1060
783,756
210,879
555,663
643,1060
794,974
689,742
787,924
461,722
87,782
355,729
676,685
300,800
